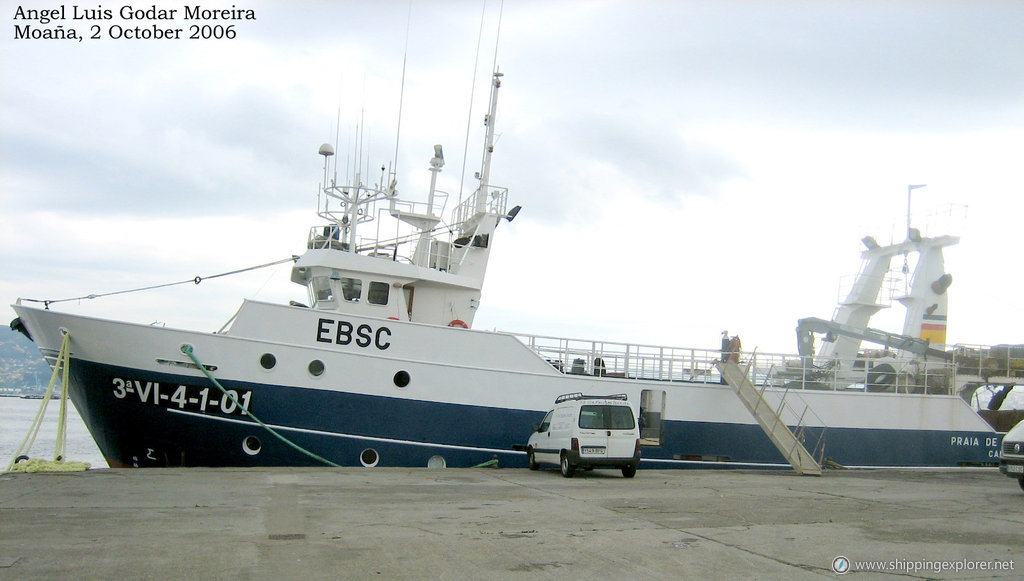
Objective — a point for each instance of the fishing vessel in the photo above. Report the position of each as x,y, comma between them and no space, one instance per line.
382,367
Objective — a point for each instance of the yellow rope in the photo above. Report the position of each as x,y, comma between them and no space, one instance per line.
57,464
40,465
62,416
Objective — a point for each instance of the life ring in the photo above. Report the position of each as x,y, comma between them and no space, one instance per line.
458,323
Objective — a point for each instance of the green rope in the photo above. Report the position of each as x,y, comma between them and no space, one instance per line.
493,462
187,350
831,464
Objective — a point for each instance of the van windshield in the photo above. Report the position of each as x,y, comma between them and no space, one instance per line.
607,417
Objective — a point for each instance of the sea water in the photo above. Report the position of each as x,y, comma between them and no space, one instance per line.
16,417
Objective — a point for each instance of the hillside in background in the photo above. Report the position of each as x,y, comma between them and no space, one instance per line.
22,368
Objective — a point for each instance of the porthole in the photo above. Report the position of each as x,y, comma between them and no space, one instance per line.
369,458
436,462
268,361
316,368
251,445
402,378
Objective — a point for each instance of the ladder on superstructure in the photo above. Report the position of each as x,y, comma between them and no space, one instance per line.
769,420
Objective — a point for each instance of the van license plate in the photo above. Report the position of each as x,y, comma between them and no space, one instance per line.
592,450
1011,468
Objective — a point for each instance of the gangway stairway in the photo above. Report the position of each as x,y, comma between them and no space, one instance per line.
770,421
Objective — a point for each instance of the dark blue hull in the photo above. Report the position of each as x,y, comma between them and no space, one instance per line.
146,427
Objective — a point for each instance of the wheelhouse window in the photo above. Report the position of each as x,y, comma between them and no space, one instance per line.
321,289
351,288
378,293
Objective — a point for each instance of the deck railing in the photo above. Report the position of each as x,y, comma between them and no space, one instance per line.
996,361
497,197
676,364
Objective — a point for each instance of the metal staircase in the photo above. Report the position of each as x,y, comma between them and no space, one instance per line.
769,420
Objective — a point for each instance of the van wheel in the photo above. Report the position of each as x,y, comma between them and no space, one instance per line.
532,461
1021,482
567,468
629,471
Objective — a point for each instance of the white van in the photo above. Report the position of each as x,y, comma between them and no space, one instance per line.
587,431
1011,454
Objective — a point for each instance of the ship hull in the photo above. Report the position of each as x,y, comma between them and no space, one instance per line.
468,398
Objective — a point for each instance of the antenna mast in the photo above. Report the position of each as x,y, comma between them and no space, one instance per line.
472,92
401,91
485,170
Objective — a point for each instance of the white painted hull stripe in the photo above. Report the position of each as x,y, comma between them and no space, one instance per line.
349,436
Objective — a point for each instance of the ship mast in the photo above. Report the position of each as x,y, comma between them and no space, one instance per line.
489,122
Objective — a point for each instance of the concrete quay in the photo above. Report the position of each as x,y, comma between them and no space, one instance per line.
397,523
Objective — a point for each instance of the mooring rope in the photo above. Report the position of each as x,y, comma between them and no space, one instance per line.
193,280
187,350
21,462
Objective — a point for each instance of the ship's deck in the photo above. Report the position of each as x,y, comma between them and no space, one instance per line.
969,365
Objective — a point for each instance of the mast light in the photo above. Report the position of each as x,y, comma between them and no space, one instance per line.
437,162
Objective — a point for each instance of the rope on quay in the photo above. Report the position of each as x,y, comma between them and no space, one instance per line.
193,280
21,462
187,350
492,463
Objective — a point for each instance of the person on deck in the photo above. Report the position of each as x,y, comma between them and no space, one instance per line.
725,352
734,349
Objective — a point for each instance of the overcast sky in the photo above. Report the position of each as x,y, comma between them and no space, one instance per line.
684,167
